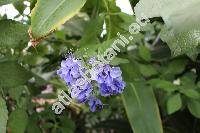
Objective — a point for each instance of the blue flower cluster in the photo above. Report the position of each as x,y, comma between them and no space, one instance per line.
108,79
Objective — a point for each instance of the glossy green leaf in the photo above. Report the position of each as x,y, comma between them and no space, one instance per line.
141,108
174,103
188,81
191,93
49,15
3,115
194,107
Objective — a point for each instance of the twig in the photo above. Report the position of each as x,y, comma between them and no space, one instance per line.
35,41
156,40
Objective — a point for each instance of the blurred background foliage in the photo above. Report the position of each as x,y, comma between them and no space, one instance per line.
163,88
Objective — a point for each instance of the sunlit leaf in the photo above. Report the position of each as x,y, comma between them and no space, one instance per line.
49,15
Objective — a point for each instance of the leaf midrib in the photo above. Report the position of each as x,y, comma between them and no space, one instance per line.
45,20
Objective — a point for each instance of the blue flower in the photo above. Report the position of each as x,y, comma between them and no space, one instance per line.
95,104
109,79
71,69
71,72
112,89
81,90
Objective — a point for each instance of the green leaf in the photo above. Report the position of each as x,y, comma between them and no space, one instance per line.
188,81
139,101
3,115
13,74
12,33
18,120
172,12
89,43
182,43
130,71
38,81
117,61
75,26
175,66
16,92
183,36
174,103
194,107
191,93
92,39
163,84
141,108
49,15
147,70
112,27
144,53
